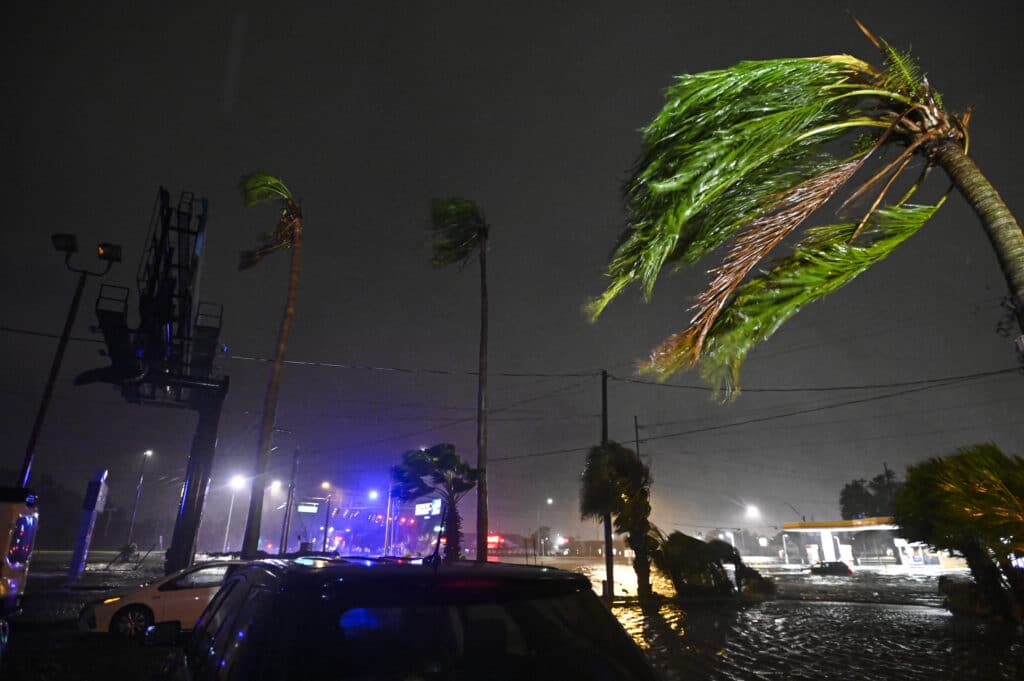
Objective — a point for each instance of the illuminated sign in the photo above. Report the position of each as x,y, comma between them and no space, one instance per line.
429,508
308,507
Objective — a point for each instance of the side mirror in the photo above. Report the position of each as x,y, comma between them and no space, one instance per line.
165,634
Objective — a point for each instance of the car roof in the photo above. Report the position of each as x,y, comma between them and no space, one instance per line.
311,573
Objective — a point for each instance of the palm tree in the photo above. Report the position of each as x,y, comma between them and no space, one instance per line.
745,153
617,483
972,502
460,231
259,188
437,470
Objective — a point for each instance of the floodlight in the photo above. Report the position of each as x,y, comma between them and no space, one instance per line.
65,243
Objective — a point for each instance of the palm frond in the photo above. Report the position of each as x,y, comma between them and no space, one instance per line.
823,262
459,227
720,151
259,187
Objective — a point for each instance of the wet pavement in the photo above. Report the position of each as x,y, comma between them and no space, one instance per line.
875,625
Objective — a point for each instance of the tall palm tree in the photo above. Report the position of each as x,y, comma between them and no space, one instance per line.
460,232
747,153
616,484
259,188
437,470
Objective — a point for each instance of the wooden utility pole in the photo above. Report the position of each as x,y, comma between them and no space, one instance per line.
609,583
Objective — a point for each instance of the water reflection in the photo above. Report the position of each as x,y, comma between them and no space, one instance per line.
874,625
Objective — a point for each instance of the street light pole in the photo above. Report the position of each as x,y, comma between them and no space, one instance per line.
237,483
283,548
327,520
138,495
227,525
67,244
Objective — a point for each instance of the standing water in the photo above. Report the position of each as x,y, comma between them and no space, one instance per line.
875,625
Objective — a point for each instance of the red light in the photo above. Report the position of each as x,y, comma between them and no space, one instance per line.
401,521
412,521
494,540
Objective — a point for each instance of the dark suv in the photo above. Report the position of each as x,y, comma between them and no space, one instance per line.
387,619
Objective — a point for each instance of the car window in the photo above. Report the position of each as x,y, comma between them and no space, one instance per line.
244,655
560,637
200,578
210,635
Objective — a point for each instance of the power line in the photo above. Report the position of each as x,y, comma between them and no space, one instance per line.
834,388
736,424
420,370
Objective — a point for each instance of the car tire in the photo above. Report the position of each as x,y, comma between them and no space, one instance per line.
131,622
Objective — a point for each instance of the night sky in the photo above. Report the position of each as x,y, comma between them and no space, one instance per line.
367,111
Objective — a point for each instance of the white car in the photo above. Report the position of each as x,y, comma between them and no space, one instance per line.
178,597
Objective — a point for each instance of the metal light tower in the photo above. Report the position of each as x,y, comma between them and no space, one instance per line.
68,245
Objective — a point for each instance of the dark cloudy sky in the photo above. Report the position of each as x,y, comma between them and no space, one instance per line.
367,110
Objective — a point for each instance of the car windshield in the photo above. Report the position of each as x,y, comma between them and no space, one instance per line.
556,637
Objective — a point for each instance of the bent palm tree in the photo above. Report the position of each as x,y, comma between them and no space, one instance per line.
972,502
617,483
744,153
437,470
258,188
460,231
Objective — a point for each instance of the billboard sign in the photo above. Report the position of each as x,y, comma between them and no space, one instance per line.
428,508
308,507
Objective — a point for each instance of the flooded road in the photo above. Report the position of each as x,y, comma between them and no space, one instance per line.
874,625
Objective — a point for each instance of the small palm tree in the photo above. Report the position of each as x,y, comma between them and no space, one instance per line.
437,470
616,484
259,188
460,232
745,154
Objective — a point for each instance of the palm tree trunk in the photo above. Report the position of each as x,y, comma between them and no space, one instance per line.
998,222
250,543
481,414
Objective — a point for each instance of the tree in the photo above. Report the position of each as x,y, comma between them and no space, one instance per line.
972,502
617,483
460,231
437,470
746,154
260,188
862,499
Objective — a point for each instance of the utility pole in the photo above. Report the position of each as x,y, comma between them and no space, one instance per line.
286,524
609,583
636,434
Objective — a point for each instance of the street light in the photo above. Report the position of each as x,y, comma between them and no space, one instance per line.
68,245
753,513
237,482
275,486
138,495
327,513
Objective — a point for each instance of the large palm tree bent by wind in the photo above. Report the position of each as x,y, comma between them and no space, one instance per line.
460,232
259,188
746,155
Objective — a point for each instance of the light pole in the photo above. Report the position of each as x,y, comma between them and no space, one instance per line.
237,483
327,513
68,245
138,494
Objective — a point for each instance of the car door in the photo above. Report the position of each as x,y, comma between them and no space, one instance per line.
183,599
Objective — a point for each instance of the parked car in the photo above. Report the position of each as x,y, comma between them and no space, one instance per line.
390,619
179,597
835,567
